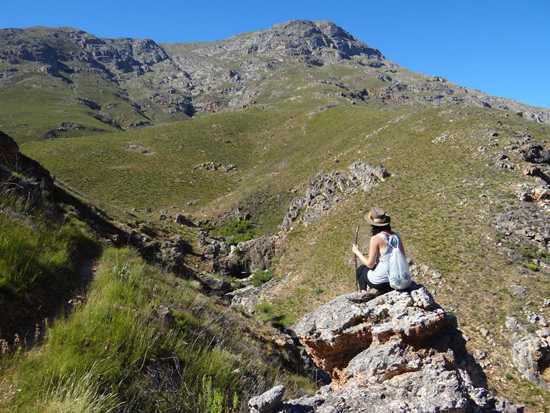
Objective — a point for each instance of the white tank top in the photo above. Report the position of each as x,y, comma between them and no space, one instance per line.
381,273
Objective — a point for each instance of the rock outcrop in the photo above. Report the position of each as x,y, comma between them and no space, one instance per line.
22,176
154,81
327,189
268,402
530,351
399,352
523,225
238,260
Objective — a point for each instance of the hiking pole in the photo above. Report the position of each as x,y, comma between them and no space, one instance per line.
355,258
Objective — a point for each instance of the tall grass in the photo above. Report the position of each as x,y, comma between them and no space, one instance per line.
36,256
114,352
78,394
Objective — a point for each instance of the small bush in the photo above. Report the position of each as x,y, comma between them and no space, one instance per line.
236,231
78,394
532,266
261,277
267,313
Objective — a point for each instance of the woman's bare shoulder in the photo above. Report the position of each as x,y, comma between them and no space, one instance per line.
376,240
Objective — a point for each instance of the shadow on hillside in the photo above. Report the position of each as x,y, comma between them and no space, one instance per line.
25,317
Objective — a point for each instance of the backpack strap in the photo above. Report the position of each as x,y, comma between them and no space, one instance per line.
393,241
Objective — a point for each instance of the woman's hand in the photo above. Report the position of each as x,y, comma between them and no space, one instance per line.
356,250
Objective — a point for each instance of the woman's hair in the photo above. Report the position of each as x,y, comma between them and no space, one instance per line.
376,229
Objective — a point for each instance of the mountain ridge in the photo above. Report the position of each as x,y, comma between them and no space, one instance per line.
120,83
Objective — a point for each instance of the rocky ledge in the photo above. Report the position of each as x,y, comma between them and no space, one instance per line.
399,352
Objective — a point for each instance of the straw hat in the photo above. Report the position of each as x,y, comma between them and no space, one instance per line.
378,217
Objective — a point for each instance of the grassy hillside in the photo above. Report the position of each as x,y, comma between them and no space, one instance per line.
273,151
442,195
34,104
285,121
41,267
117,351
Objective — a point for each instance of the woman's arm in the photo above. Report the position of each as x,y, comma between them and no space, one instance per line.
369,261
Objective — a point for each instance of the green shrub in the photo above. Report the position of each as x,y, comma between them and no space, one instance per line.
533,266
261,277
236,231
78,394
268,313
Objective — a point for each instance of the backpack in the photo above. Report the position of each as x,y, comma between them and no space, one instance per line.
399,274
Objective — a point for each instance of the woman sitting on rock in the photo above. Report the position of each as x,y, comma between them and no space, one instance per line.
374,272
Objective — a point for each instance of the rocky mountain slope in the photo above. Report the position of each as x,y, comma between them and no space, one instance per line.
101,84
66,268
260,190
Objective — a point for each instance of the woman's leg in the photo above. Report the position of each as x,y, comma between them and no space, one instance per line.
361,276
380,288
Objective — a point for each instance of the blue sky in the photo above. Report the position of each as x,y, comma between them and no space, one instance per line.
501,47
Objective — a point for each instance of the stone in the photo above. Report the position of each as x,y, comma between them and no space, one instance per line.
524,225
269,402
240,260
213,283
531,170
245,299
181,219
215,166
531,356
512,324
398,352
422,298
166,317
537,319
541,193
525,194
8,147
535,153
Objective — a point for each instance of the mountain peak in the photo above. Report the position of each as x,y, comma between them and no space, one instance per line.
325,26
318,38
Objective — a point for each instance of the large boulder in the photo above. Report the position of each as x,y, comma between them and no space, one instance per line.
531,356
22,176
339,330
534,152
12,159
239,260
398,352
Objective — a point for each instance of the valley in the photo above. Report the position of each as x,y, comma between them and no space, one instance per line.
216,179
